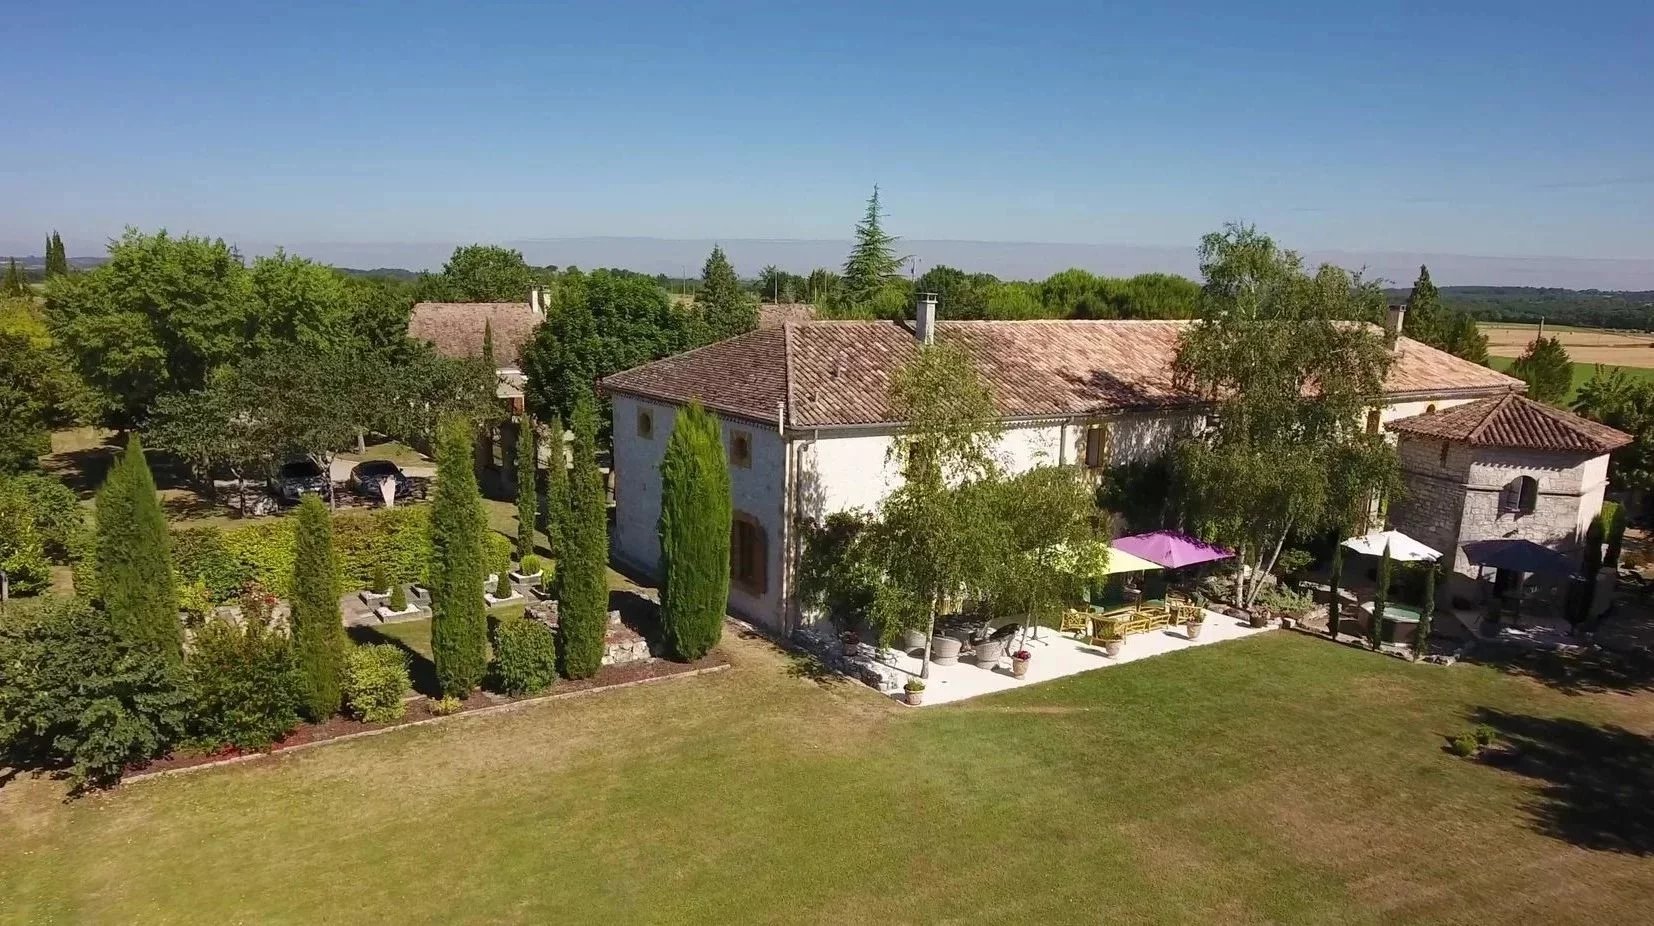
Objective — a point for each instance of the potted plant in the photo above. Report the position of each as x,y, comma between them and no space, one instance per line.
915,689
1257,618
1195,621
1113,643
1019,662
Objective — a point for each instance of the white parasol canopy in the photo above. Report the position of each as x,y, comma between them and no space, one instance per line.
1403,549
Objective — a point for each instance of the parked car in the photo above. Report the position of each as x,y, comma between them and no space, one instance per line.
366,476
297,478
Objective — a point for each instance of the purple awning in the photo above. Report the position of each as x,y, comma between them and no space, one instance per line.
1171,549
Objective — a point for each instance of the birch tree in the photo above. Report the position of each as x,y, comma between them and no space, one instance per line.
1292,376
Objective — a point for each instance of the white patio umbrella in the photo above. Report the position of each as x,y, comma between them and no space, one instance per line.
1403,549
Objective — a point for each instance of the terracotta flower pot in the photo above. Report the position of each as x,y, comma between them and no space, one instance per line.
1193,630
1019,667
915,698
1112,647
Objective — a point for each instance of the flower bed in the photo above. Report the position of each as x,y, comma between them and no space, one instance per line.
419,711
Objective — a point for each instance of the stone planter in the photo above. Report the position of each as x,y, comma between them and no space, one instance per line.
913,641
492,601
1193,630
420,590
1111,648
384,612
1258,619
373,599
916,698
988,654
1019,667
526,578
944,651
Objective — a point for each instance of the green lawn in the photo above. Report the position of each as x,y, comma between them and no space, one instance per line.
1275,779
1582,371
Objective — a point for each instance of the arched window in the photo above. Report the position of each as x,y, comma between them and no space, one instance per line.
748,554
1430,409
1519,496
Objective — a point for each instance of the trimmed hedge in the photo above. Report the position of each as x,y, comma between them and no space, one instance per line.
525,655
395,539
376,678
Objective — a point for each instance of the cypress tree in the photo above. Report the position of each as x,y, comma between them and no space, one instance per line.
1332,588
134,560
1380,600
317,629
458,612
557,488
488,344
1421,639
14,284
583,602
528,490
57,261
694,535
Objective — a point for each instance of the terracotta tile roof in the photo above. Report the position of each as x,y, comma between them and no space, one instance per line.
1514,421
838,372
455,328
745,376
776,314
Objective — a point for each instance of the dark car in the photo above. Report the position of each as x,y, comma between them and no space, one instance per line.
297,478
366,477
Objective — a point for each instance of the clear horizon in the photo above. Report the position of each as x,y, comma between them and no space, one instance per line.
1382,130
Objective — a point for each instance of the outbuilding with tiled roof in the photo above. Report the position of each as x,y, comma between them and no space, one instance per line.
1504,469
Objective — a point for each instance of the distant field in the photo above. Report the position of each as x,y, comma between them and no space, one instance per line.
1587,346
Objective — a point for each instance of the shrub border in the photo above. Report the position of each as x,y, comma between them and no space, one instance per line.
476,712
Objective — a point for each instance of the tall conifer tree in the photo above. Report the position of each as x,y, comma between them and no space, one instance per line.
134,561
557,488
14,284
724,308
694,530
57,260
458,612
583,603
318,631
488,344
872,261
528,489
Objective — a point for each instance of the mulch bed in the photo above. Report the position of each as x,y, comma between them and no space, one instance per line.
419,710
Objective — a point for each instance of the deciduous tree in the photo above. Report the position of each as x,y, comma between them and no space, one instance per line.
1271,337
694,530
481,273
583,598
134,562
458,523
316,625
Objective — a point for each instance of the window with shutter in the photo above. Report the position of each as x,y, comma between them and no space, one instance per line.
1096,446
748,554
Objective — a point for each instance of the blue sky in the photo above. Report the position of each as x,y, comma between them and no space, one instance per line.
1522,129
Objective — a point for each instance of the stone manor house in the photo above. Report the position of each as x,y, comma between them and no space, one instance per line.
806,425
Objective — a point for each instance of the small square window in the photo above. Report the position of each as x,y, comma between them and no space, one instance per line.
645,424
740,449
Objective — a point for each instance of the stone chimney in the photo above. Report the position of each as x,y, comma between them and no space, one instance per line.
1393,320
924,319
537,301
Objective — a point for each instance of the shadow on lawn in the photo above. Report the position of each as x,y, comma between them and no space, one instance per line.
1597,671
421,670
1595,781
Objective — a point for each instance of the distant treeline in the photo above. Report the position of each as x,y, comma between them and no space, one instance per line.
1585,308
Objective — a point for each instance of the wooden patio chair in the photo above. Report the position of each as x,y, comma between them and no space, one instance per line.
1075,621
